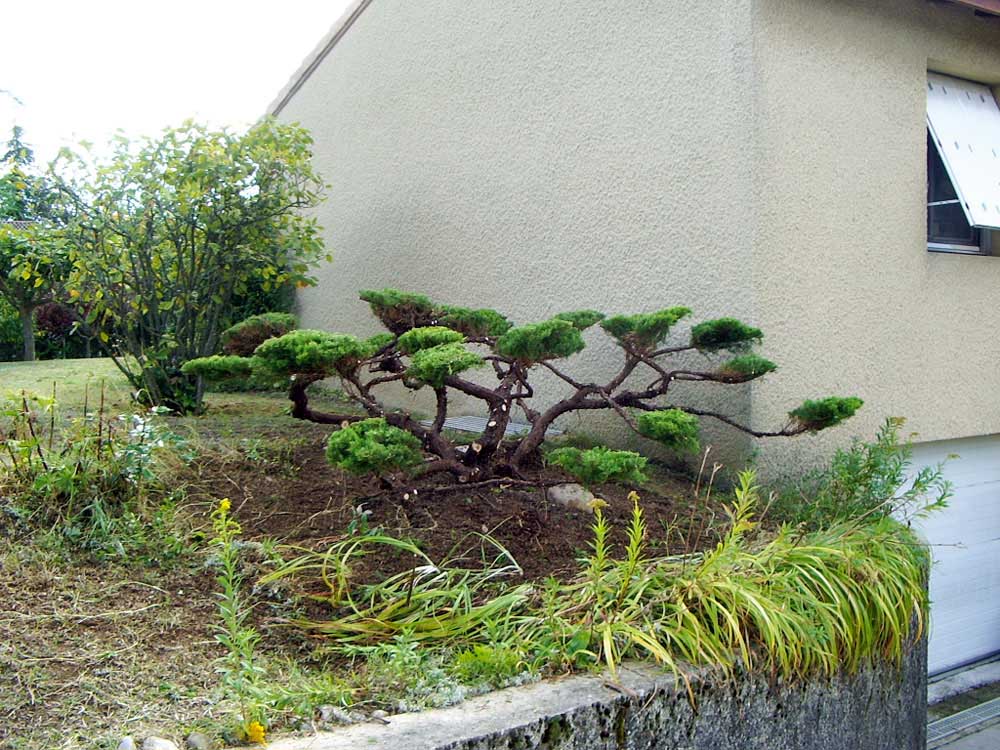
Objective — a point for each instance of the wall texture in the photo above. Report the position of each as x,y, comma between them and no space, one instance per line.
877,709
765,162
536,157
843,283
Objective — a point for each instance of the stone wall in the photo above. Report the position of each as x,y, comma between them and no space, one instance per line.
879,708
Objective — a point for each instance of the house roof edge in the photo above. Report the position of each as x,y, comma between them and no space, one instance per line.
316,57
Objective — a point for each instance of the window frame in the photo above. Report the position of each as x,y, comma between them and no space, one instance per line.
938,167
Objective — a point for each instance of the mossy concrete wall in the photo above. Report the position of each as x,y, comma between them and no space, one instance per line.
876,709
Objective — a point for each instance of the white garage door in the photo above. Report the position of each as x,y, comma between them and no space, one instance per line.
965,545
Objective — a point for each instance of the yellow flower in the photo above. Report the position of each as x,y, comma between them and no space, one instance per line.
255,730
224,505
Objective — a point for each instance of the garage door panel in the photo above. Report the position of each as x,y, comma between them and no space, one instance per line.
965,547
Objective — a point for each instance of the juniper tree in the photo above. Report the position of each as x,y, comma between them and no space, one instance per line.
436,347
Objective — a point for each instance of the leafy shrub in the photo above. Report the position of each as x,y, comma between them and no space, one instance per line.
372,446
599,465
243,338
867,479
672,428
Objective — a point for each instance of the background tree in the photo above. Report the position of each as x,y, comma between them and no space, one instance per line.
169,232
32,256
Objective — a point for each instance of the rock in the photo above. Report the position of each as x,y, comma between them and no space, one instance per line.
158,743
379,716
332,715
570,495
198,741
127,743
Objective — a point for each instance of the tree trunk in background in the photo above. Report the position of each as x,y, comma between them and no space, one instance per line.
28,331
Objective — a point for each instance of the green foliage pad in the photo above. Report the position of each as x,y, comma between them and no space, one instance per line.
372,446
426,337
433,365
218,368
309,352
645,330
537,342
599,465
244,337
724,333
673,428
826,412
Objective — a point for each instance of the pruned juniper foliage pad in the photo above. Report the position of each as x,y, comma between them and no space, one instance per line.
436,346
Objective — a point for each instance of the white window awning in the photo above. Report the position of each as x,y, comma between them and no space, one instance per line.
964,120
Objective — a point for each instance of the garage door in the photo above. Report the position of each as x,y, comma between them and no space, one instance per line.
965,545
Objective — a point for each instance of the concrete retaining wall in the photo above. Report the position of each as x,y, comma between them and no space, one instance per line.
878,709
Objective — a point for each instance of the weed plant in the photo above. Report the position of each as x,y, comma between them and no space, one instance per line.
867,479
90,482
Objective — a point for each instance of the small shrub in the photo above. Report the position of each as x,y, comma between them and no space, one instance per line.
599,465
672,428
864,480
493,665
372,446
746,367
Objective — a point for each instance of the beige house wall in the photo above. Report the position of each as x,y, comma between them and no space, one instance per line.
536,157
764,161
852,301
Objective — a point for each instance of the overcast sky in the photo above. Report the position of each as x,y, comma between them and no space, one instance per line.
84,69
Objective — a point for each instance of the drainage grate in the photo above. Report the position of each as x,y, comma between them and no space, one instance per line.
970,717
478,424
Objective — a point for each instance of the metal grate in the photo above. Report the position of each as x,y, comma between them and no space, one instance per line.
478,424
970,717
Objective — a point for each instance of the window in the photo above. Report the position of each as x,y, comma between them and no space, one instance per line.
963,165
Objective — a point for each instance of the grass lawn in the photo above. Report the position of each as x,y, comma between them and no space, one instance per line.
94,646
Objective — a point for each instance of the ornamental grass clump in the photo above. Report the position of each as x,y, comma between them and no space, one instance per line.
792,604
437,347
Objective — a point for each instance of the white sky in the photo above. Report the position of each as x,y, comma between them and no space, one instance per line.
83,69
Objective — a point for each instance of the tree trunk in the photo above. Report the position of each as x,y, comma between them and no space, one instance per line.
28,331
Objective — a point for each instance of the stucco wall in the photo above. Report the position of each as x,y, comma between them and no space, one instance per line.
843,283
765,161
535,157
